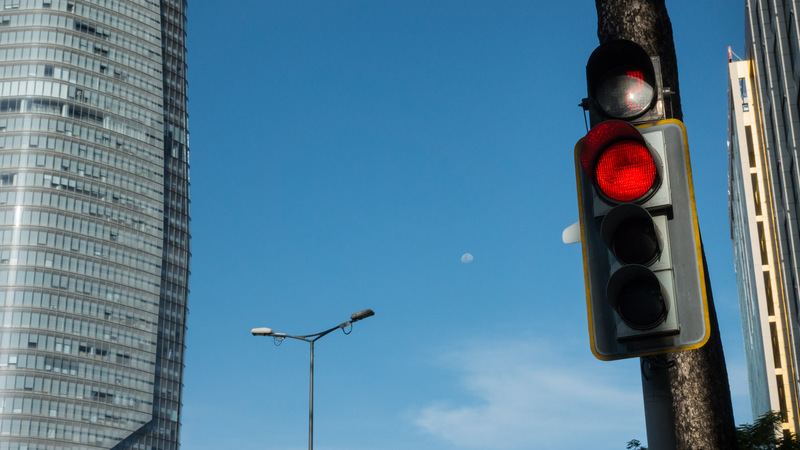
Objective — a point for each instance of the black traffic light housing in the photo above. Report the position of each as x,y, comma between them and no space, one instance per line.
643,268
623,67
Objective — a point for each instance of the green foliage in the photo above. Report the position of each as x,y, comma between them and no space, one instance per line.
634,444
765,434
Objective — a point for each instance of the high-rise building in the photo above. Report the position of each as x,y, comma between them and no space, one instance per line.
94,223
764,178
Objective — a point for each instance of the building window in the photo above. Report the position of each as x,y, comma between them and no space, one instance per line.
776,351
768,293
782,398
751,151
10,105
756,194
763,244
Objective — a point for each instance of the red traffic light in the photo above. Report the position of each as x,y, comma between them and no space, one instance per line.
625,93
615,156
625,171
621,80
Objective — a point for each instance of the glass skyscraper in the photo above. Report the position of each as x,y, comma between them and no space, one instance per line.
94,223
764,89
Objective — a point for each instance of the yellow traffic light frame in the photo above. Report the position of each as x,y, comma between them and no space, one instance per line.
664,344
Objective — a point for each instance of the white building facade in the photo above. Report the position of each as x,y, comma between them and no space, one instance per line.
764,177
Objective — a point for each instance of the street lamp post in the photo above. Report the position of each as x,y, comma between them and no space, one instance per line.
311,338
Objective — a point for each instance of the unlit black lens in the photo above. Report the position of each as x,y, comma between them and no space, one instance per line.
641,304
634,241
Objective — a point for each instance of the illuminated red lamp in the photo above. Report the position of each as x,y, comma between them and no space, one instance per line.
617,160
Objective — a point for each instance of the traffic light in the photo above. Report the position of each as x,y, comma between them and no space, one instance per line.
643,267
624,83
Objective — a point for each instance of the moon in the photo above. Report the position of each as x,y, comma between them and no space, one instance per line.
466,258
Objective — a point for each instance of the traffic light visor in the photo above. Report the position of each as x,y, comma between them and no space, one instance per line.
616,158
621,80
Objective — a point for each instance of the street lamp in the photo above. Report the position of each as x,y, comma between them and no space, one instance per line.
311,338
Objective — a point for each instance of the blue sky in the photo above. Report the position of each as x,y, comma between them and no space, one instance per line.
346,154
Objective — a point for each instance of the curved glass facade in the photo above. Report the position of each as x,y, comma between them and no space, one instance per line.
94,223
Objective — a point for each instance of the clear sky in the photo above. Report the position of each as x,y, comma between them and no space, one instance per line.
346,155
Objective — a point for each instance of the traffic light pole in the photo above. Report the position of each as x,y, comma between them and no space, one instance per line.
659,419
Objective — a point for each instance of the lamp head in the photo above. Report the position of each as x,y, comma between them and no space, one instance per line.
363,314
262,331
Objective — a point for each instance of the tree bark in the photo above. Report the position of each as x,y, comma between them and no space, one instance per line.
645,22
701,400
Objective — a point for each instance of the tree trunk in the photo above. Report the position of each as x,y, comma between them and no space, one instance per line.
701,400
